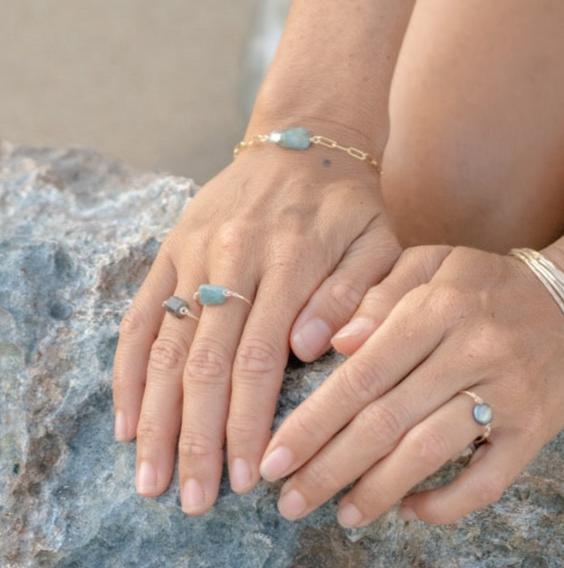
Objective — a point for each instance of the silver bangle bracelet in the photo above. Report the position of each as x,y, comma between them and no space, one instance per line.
545,270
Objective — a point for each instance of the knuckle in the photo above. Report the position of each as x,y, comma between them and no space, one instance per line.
319,474
345,296
447,299
241,429
132,322
231,238
207,362
360,381
192,443
381,424
307,424
148,430
490,341
257,356
166,354
427,446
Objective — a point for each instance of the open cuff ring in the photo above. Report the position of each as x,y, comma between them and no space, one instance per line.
482,414
210,294
178,308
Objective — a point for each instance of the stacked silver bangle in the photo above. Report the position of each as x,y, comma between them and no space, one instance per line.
545,270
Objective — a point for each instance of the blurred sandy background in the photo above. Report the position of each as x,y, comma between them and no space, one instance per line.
157,84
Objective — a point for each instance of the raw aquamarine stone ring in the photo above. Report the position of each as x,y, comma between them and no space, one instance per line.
178,308
213,294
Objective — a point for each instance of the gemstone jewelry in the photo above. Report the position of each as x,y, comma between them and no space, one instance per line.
300,138
178,308
213,294
482,414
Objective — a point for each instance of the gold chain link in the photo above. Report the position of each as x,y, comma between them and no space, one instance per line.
317,139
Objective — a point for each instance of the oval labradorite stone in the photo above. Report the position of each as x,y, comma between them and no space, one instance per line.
482,413
211,294
297,138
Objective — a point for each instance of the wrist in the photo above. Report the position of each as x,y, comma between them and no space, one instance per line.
349,127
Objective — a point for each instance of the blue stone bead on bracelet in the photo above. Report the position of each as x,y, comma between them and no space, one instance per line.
297,138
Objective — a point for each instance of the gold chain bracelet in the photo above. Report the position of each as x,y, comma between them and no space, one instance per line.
299,138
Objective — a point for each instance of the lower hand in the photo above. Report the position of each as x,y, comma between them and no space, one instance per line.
292,231
443,321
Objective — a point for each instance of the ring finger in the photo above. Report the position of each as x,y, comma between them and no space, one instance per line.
422,451
161,409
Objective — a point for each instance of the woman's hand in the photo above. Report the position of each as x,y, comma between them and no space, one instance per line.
275,226
391,415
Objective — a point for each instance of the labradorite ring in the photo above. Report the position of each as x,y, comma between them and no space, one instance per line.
213,294
482,414
178,308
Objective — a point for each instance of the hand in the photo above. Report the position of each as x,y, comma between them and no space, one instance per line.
275,226
390,415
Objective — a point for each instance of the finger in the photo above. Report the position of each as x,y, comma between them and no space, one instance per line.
421,452
137,332
376,430
207,383
415,266
161,410
366,261
492,469
257,375
404,340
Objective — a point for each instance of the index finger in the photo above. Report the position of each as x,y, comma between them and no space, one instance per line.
403,341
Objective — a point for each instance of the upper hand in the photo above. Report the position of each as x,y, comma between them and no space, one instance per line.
289,233
443,321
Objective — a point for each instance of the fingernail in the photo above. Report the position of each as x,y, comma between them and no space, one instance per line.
192,496
358,326
120,426
240,474
146,478
310,340
276,463
349,516
292,504
407,514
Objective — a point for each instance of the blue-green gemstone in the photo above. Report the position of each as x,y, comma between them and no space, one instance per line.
297,138
211,294
482,413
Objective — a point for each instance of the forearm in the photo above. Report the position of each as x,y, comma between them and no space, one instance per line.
334,66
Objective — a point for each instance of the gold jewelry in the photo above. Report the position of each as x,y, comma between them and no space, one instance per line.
545,270
300,138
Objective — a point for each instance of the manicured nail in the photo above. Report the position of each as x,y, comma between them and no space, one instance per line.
120,426
349,516
276,463
358,326
310,340
240,474
146,478
192,496
292,504
407,514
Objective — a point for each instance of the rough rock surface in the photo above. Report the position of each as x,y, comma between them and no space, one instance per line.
77,236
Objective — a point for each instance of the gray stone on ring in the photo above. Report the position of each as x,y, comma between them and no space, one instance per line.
482,413
177,306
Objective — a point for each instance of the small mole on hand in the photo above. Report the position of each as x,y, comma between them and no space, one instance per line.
327,163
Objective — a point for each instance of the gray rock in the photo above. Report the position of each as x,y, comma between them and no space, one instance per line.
77,235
